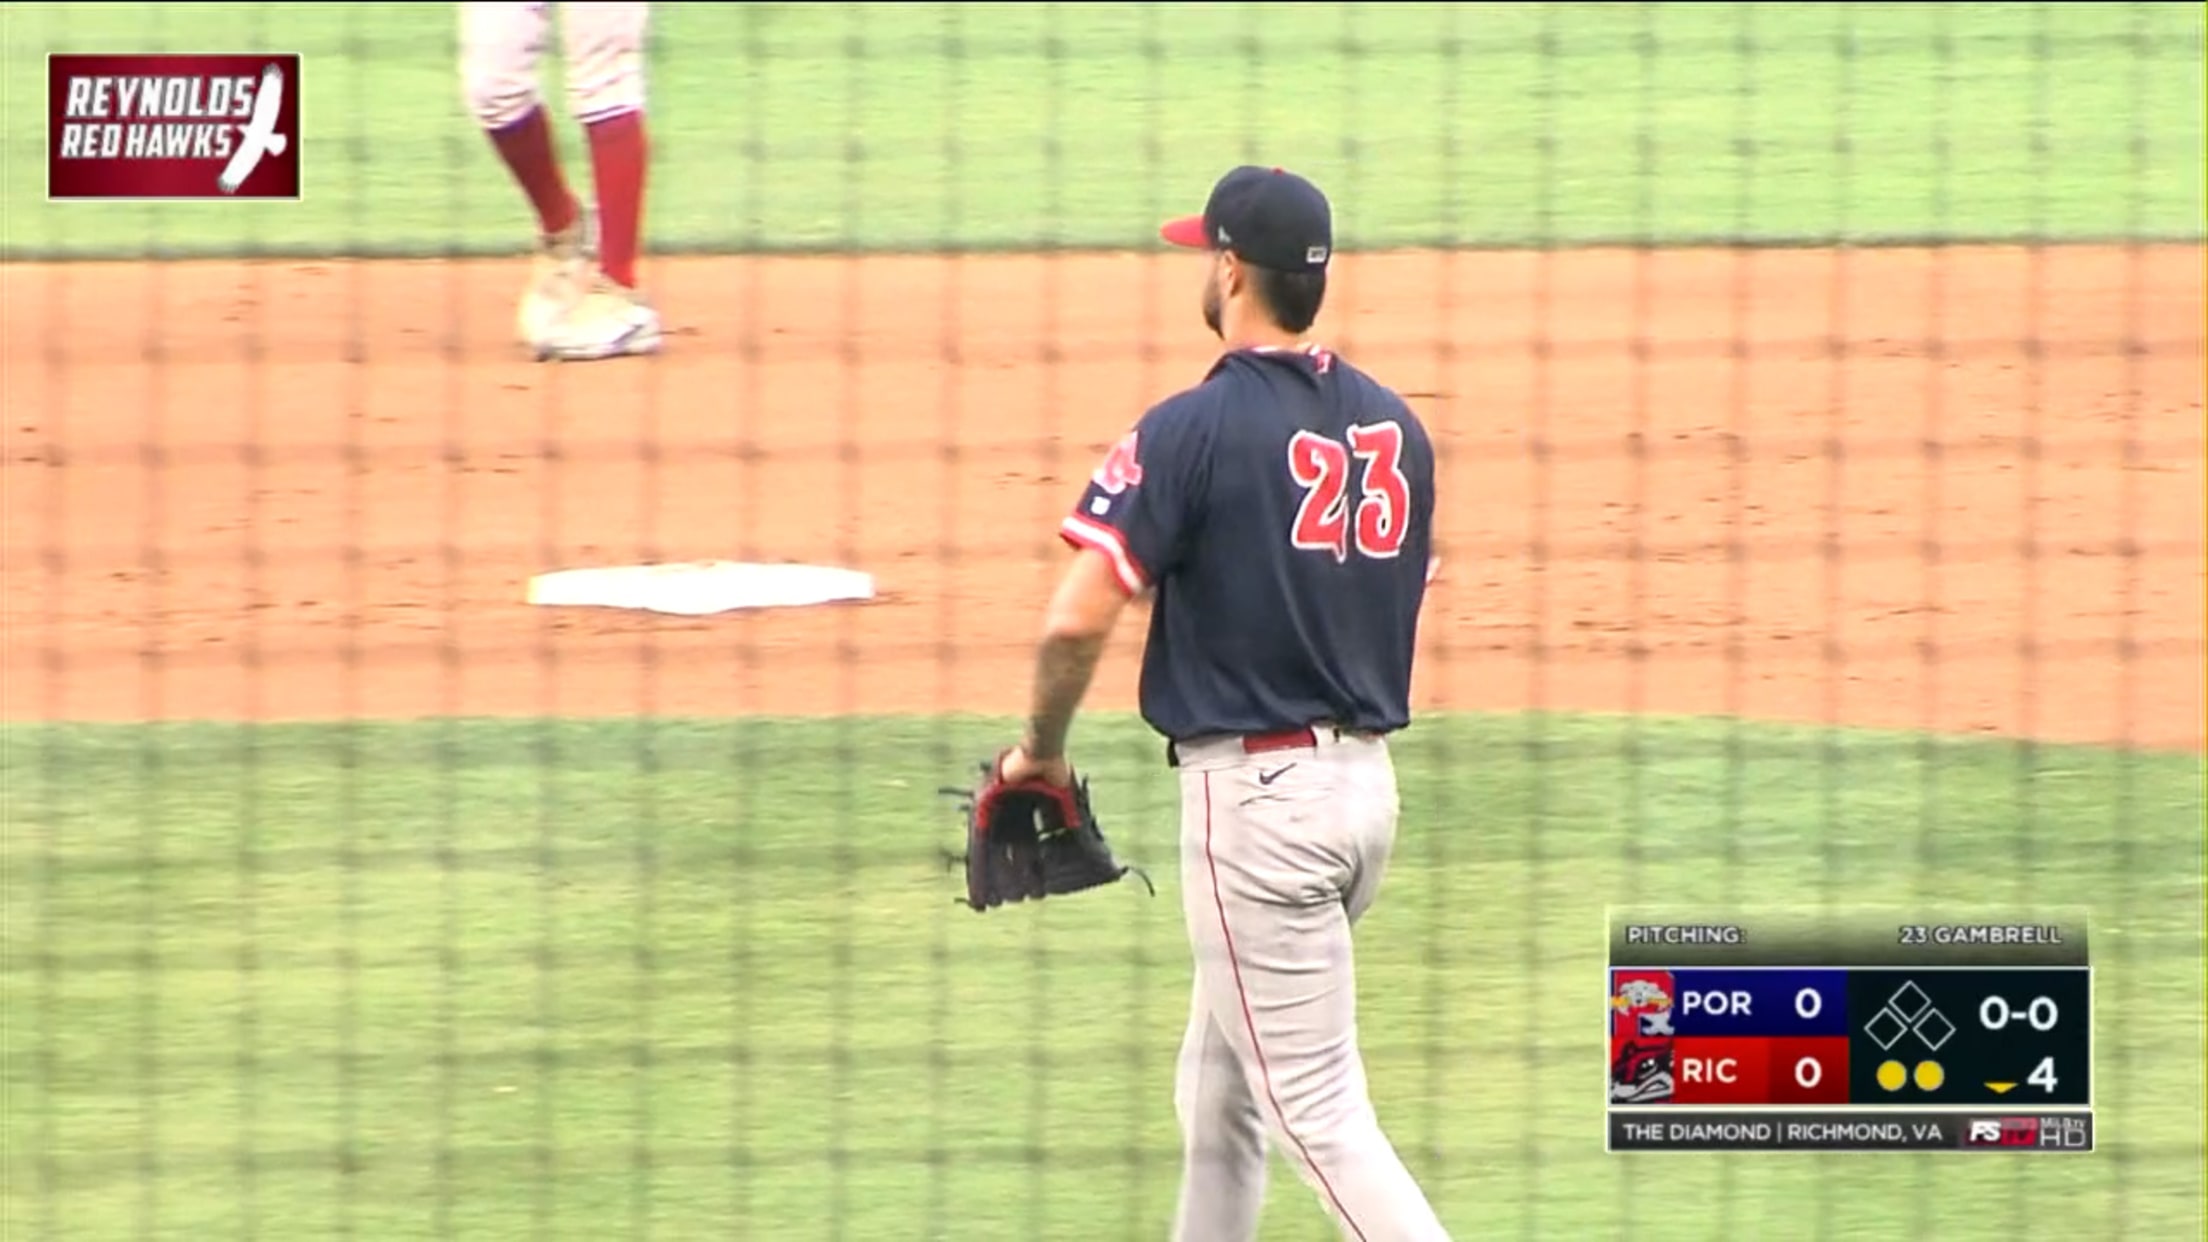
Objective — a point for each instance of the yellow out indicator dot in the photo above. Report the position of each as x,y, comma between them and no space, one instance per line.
1891,1075
1930,1075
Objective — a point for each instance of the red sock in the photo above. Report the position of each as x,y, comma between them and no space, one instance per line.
526,146
618,154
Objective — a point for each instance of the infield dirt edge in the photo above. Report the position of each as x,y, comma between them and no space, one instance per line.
1953,489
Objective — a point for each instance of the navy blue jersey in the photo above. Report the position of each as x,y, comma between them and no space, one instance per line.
1282,510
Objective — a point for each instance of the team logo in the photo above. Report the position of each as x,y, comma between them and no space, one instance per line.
1640,1036
1120,469
161,126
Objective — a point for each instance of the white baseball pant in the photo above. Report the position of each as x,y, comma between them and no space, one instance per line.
1281,853
502,43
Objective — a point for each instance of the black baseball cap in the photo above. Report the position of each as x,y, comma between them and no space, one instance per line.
1269,216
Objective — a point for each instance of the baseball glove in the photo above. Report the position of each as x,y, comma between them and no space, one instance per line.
1028,840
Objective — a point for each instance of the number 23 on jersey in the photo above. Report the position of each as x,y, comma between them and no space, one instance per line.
1321,467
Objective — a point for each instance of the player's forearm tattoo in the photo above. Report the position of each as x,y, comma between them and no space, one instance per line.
1063,668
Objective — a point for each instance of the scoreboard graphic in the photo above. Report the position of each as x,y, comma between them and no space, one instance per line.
1860,1031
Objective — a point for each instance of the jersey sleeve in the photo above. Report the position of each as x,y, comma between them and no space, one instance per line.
1143,498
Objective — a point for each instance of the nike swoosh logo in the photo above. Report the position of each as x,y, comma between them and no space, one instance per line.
1267,778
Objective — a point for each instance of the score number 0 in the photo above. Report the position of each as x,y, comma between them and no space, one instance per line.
1995,1013
1809,1071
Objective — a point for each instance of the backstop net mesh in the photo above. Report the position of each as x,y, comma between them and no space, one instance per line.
1817,390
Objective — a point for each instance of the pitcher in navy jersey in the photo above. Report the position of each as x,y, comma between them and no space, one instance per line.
1282,512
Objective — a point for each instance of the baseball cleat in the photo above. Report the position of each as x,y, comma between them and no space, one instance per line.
608,321
559,276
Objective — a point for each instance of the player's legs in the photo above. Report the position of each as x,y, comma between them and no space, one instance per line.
604,46
1278,867
1222,1131
500,47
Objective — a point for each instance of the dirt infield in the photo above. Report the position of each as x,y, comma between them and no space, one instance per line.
302,490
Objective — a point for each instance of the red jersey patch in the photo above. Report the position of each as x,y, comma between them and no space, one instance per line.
1120,468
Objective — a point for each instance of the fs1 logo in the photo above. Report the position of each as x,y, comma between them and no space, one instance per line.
2003,1132
168,127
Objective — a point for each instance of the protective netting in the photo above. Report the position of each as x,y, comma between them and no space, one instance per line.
1818,391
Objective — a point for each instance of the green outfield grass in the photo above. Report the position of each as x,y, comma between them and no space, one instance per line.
926,126
489,980
304,977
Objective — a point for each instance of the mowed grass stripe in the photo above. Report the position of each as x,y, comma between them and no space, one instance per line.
1027,126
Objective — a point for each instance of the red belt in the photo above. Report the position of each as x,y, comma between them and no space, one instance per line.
1284,739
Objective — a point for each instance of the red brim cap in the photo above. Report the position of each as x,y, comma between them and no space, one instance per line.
1186,231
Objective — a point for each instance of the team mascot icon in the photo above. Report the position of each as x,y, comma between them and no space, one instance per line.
1640,1036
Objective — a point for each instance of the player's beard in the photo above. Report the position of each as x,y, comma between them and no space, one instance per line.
1212,300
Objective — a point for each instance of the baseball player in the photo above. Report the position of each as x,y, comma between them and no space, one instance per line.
1282,512
582,300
